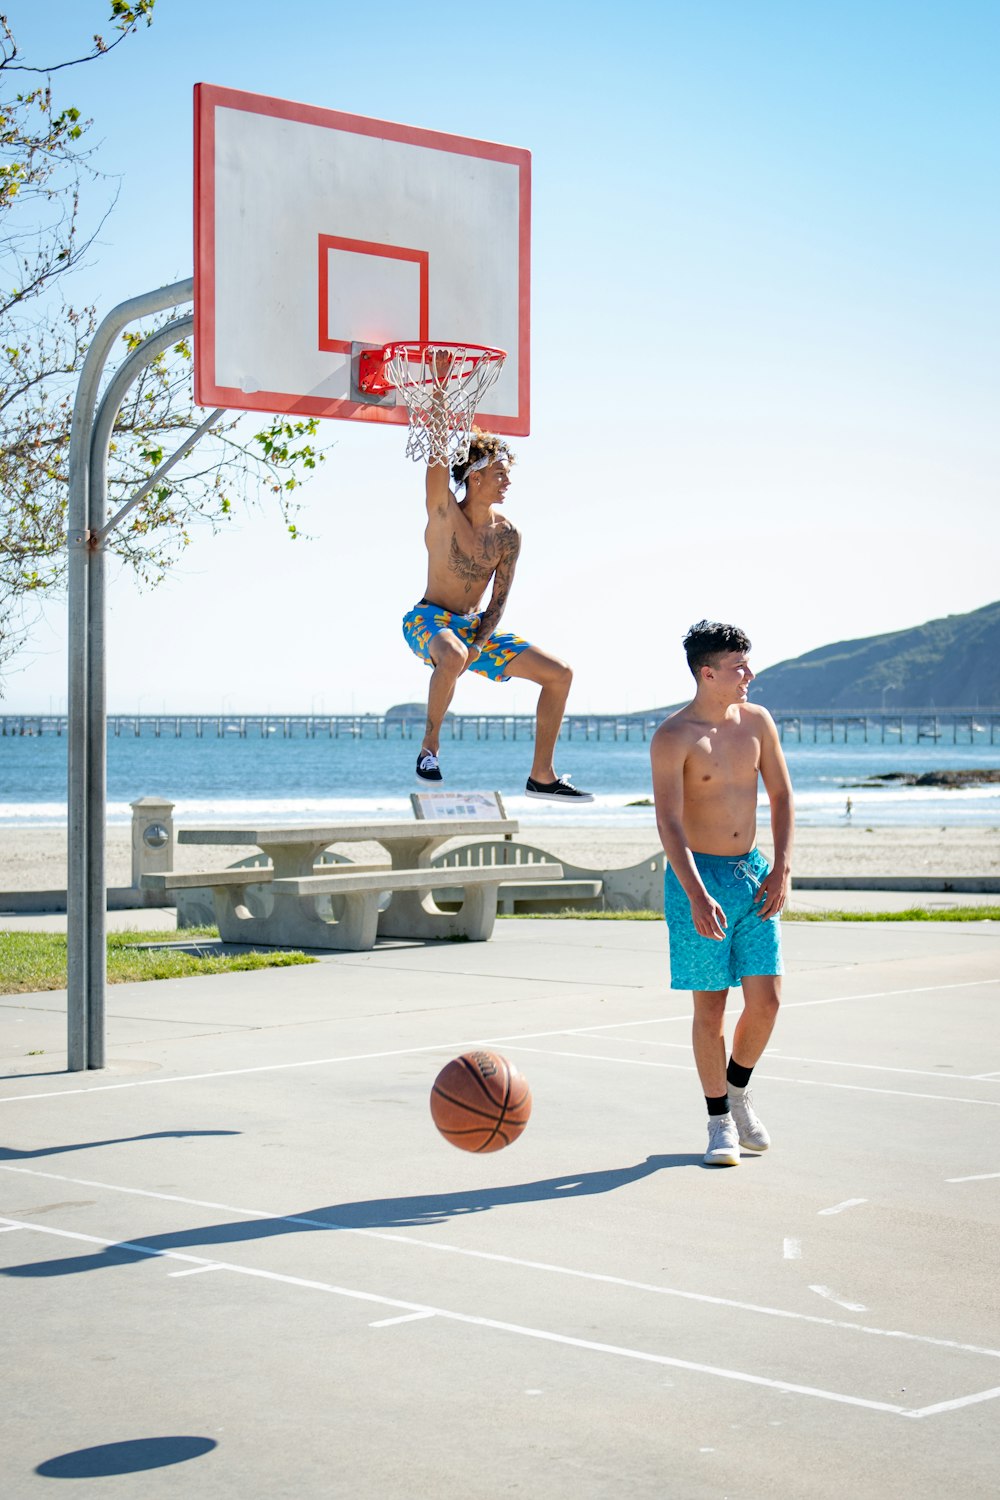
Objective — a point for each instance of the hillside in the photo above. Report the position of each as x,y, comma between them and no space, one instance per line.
949,663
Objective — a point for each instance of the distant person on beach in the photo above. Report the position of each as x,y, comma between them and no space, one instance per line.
722,900
849,808
469,545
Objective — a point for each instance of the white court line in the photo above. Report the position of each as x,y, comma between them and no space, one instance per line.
7,1228
459,1046
812,1083
792,1249
212,1265
599,1277
311,1062
862,1088
500,1326
933,1411
828,1062
838,1208
405,1318
982,1177
923,989
824,1291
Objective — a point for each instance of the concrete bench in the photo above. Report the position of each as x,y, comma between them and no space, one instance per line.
194,893
522,889
412,911
547,894
243,874
638,887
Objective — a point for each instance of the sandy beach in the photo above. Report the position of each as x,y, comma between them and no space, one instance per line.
35,859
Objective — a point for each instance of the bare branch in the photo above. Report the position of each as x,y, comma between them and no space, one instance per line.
128,20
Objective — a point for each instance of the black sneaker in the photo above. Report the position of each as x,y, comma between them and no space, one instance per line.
556,791
427,766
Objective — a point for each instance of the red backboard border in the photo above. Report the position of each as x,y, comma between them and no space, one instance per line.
207,392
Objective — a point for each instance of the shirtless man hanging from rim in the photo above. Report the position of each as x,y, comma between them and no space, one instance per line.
469,544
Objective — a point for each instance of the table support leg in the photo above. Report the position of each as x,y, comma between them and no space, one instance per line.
294,923
414,914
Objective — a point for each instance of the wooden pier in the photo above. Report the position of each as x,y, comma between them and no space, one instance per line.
951,726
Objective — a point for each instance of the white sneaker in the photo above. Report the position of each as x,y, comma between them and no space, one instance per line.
723,1142
750,1131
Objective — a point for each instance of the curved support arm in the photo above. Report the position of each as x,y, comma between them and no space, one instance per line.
90,380
129,371
111,401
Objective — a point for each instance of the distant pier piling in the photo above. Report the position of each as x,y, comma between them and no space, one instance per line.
953,726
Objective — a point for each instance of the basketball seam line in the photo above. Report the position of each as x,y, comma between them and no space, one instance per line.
503,1108
471,1109
475,1074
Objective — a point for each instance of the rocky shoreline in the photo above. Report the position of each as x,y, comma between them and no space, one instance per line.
986,776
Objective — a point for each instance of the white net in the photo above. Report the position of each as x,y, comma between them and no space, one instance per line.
443,386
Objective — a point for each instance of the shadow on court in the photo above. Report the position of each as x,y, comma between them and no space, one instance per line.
131,1457
7,1153
375,1213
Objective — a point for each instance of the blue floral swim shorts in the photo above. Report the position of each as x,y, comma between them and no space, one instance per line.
752,944
424,621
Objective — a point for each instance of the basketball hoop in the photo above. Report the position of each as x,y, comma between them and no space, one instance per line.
443,386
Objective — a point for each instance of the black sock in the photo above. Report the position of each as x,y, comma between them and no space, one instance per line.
718,1106
737,1076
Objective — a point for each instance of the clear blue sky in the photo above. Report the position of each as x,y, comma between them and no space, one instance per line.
765,333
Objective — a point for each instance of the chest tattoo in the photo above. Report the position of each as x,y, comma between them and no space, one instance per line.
469,569
491,549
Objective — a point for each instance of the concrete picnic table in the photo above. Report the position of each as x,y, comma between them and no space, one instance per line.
356,891
293,850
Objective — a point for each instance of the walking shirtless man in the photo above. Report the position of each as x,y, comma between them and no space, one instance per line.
722,900
470,544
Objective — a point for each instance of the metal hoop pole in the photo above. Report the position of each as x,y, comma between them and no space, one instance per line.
86,730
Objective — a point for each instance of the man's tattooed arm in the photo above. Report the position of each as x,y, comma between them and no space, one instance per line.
508,545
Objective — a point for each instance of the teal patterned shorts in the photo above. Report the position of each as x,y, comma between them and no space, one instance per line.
752,944
424,621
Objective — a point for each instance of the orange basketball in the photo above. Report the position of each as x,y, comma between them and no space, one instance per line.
480,1102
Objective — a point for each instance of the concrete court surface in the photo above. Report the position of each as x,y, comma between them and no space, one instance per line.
240,1262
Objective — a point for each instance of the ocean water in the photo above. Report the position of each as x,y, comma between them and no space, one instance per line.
234,780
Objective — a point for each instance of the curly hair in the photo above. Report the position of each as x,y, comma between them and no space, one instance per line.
708,640
482,445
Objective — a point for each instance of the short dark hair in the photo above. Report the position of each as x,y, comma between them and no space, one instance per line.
708,640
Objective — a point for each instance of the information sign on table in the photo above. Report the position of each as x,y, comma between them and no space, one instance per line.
457,805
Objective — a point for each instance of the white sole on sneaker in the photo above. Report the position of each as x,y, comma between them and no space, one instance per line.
561,798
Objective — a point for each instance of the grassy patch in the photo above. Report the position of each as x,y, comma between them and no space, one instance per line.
912,914
583,916
31,961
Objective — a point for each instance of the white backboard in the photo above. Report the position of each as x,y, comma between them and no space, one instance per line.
316,231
